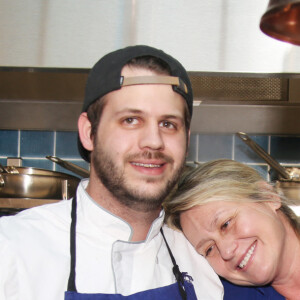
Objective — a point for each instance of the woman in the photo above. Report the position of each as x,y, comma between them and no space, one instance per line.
241,225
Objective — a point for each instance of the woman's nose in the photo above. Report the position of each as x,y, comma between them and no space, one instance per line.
227,248
151,138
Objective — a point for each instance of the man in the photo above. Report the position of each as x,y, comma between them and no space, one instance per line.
107,242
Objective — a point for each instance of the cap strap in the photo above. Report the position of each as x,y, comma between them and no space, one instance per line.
171,80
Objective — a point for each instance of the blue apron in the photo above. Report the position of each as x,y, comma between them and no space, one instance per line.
182,289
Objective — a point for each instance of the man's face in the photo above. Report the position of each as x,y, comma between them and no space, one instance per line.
140,145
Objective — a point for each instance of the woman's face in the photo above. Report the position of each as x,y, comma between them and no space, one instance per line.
243,242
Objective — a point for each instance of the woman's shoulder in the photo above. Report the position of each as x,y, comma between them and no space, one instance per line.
232,291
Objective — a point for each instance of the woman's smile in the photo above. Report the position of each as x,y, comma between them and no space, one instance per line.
247,257
229,235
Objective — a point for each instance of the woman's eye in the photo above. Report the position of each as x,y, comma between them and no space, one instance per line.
225,225
209,250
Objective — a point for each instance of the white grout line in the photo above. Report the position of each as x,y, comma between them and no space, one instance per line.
197,147
44,158
269,151
233,147
54,151
54,143
19,144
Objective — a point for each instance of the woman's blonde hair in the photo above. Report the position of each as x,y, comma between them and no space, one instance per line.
225,180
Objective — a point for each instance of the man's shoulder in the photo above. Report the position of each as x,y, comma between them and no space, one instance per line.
36,218
206,282
179,245
174,235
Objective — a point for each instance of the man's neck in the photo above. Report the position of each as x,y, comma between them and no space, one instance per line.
140,221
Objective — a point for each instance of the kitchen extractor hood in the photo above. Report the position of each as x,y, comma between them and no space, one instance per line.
51,99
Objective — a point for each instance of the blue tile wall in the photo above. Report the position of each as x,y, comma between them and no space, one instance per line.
285,149
246,154
9,141
33,146
37,162
193,149
66,144
36,143
214,146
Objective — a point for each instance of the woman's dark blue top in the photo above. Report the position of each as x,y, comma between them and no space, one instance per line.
232,292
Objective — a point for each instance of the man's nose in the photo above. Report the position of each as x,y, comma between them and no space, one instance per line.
227,248
151,137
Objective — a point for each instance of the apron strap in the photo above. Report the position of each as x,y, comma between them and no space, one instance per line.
71,282
178,275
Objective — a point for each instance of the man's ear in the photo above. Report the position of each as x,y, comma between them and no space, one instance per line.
84,130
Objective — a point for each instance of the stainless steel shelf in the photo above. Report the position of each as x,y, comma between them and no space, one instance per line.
207,117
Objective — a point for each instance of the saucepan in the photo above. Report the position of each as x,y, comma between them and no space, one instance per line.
288,178
35,183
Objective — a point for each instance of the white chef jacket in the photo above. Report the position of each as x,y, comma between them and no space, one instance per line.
35,254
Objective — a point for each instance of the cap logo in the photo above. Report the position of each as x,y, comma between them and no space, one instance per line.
170,80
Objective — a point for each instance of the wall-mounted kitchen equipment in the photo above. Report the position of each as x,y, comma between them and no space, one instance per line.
51,99
286,179
282,21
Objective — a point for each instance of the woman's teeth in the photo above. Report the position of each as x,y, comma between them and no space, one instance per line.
247,257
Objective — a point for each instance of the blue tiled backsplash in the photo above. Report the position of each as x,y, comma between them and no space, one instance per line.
34,146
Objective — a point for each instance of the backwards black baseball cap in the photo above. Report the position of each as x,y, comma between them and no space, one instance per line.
106,77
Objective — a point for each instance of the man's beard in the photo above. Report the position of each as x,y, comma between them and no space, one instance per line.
114,180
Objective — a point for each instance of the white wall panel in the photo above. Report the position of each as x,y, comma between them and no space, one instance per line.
212,36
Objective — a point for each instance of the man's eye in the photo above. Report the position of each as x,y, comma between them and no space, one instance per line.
131,121
168,124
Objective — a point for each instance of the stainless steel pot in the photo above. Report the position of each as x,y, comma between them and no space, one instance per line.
34,183
288,179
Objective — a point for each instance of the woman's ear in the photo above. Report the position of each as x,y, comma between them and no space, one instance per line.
275,201
84,130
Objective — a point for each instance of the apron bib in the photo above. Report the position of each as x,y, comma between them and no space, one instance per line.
183,289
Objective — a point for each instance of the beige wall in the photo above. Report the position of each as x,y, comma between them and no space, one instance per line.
214,35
